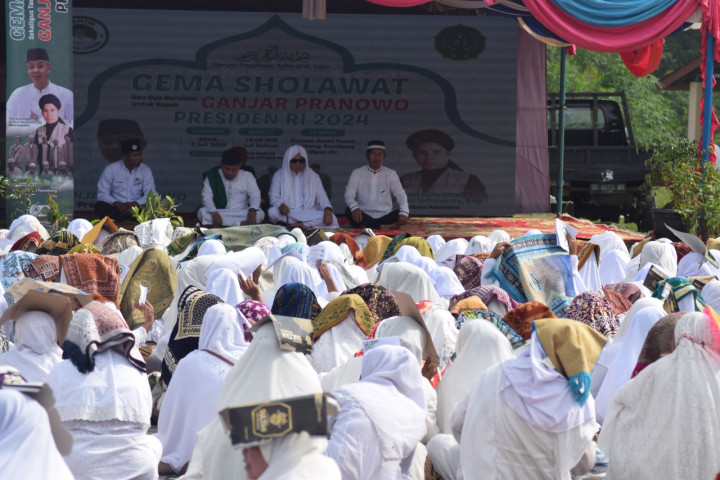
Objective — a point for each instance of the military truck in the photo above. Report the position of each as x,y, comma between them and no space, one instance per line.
604,170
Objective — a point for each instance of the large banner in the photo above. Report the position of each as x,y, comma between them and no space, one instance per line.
39,109
439,91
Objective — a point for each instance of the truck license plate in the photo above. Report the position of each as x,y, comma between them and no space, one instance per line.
607,187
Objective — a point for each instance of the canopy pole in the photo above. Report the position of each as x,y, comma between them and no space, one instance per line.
707,120
561,131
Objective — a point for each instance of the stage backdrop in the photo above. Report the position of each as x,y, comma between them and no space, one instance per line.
39,140
196,83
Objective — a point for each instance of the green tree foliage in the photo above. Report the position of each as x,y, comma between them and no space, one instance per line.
658,117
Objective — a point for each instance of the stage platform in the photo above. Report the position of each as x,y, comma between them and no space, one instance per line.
515,226
468,227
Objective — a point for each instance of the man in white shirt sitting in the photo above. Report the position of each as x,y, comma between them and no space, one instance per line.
230,195
370,191
124,184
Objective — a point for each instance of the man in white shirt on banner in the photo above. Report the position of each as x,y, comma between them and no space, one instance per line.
370,191
124,184
230,195
23,102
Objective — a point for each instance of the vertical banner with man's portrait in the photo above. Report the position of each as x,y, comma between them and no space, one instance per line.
39,110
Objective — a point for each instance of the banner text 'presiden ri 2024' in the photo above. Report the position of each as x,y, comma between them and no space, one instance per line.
196,83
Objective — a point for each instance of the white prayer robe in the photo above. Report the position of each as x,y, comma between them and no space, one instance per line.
242,194
36,351
265,372
379,422
497,443
27,447
302,192
107,411
373,192
186,408
665,422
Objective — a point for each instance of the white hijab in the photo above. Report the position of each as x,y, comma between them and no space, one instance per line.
645,412
298,456
245,261
120,392
694,264
435,242
79,227
412,280
27,447
308,177
609,241
446,255
660,254
36,351
711,294
337,345
478,244
265,372
291,270
613,266
497,236
617,361
211,247
154,233
443,332
540,394
222,332
391,394
186,409
224,283
480,345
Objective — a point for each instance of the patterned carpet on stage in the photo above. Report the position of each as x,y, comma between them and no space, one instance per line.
515,226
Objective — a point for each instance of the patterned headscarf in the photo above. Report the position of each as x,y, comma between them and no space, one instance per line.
469,303
253,310
357,253
420,244
5,342
97,327
379,300
181,243
375,248
92,273
659,341
296,300
338,309
29,242
678,288
153,270
593,309
194,250
573,349
192,305
487,293
58,244
44,267
520,318
618,301
119,241
515,339
12,266
681,250
393,246
84,248
628,290
468,269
